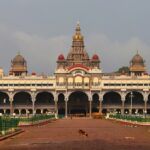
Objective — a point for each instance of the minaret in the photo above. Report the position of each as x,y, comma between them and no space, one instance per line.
77,54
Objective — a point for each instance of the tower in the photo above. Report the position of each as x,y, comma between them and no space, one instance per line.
137,65
77,54
18,66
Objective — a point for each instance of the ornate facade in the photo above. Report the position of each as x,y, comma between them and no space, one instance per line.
78,86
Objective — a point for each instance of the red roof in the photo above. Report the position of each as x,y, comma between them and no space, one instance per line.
78,66
61,57
33,73
95,57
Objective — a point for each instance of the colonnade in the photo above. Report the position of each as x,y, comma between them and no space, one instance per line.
90,100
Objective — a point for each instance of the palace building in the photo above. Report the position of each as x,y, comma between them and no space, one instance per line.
78,86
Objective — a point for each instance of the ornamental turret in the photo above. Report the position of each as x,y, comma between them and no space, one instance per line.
137,65
18,66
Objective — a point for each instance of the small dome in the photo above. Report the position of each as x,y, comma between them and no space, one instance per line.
137,59
33,73
61,57
19,60
95,57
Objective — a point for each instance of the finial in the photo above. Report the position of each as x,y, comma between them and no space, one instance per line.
18,53
78,26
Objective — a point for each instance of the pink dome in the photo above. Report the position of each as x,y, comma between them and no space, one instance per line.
33,73
61,57
95,57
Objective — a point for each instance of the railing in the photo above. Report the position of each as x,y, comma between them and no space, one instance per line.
131,118
8,124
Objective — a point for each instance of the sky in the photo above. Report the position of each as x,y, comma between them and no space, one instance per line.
42,29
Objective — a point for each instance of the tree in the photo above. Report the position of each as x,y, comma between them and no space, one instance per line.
124,69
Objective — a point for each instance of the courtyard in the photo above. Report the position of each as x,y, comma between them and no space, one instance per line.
63,134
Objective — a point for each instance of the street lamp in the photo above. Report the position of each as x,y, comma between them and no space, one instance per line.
131,96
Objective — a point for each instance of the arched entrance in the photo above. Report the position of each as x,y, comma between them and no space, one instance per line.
45,100
61,104
95,103
112,102
4,99
134,101
22,99
78,104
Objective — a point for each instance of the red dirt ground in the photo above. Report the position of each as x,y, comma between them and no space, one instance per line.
63,135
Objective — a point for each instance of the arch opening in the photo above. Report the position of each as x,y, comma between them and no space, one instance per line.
78,104
136,102
22,99
4,99
112,101
61,104
95,103
44,99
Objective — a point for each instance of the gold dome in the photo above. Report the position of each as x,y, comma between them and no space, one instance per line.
137,64
19,60
137,59
18,65
78,36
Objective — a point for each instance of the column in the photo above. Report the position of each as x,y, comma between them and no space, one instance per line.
19,112
145,107
11,107
4,111
122,108
145,103
33,103
90,108
11,95
66,108
123,98
100,106
56,109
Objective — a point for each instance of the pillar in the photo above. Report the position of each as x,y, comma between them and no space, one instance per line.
11,95
100,106
19,112
145,102
33,96
122,107
145,107
11,107
56,109
123,98
90,108
66,107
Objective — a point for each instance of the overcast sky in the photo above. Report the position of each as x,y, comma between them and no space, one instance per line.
42,29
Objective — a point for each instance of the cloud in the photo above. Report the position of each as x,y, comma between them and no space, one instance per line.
115,54
41,52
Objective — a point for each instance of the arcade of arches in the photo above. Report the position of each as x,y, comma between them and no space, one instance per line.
75,103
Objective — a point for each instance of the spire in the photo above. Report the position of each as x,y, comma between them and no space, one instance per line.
78,36
18,53
78,27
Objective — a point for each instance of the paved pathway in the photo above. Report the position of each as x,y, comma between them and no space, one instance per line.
63,135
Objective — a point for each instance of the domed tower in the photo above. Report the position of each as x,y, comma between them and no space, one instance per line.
95,61
18,66
77,54
137,65
61,62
